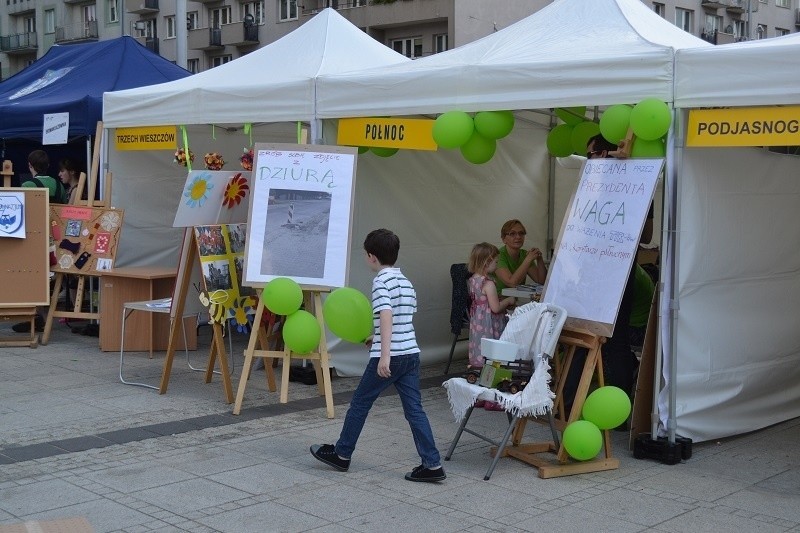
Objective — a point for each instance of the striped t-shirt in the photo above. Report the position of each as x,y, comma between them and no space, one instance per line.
392,290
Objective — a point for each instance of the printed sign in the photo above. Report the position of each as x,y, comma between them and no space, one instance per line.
12,215
406,133
599,239
744,126
56,128
146,138
300,214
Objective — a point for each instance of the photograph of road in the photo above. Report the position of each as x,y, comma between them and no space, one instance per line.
296,233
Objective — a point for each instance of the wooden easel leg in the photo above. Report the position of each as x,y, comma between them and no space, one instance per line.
212,353
51,313
285,368
324,361
248,357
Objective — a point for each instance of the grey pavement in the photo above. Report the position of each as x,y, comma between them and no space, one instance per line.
76,442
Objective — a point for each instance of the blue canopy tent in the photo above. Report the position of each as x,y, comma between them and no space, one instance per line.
72,79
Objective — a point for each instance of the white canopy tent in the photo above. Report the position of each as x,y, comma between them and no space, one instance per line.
569,53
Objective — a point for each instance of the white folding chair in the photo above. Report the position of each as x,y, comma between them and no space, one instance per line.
538,326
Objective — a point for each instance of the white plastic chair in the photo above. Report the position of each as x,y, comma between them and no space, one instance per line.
536,326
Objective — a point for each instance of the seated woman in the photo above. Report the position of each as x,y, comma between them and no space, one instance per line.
515,264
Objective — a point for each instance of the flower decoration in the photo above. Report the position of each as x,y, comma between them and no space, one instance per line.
180,157
235,191
213,161
241,314
247,159
197,190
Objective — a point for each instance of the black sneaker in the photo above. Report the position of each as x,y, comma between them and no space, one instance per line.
25,327
327,454
421,473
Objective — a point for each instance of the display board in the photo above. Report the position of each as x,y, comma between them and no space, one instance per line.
24,262
221,251
85,238
599,238
300,213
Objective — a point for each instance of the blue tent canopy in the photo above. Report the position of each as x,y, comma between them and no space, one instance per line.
72,79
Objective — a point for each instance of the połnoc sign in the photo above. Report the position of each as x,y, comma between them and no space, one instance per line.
404,133
744,126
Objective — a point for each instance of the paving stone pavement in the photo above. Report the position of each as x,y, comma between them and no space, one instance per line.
76,442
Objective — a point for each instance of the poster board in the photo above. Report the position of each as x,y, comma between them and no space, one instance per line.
85,238
221,251
598,240
300,214
24,263
213,197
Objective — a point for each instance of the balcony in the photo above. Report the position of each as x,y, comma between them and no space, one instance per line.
141,7
205,39
21,43
312,7
151,43
712,4
21,7
240,35
80,32
736,6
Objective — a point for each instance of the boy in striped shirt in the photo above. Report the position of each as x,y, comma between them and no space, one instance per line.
394,360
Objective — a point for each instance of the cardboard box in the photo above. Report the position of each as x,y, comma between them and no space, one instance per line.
62,525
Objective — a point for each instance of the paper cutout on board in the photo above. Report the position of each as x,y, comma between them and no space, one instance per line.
12,215
213,197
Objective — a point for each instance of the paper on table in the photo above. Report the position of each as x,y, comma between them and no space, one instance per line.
162,303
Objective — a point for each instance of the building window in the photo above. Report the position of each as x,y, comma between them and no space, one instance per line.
439,43
220,60
287,10
113,15
145,28
30,24
49,20
660,9
683,19
220,16
739,31
170,26
193,65
713,24
256,9
782,3
779,32
411,47
192,20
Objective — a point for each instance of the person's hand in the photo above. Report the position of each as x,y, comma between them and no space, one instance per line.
383,367
535,253
368,342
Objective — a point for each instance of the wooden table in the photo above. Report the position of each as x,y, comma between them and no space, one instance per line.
144,331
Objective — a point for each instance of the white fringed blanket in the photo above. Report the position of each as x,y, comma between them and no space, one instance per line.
534,400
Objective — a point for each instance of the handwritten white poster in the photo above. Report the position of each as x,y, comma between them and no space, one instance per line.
56,128
599,238
301,207
12,215
213,197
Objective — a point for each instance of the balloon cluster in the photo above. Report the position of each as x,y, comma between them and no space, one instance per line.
649,120
378,150
605,408
476,136
348,314
301,330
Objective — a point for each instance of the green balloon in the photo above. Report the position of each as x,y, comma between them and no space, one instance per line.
301,332
571,115
363,149
282,296
650,119
581,133
644,148
348,314
559,141
383,152
614,122
494,124
452,129
582,440
607,407
478,149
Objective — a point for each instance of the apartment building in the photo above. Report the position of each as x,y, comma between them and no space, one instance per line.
219,31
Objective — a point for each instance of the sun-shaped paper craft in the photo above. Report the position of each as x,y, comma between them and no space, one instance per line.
241,314
197,190
235,191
